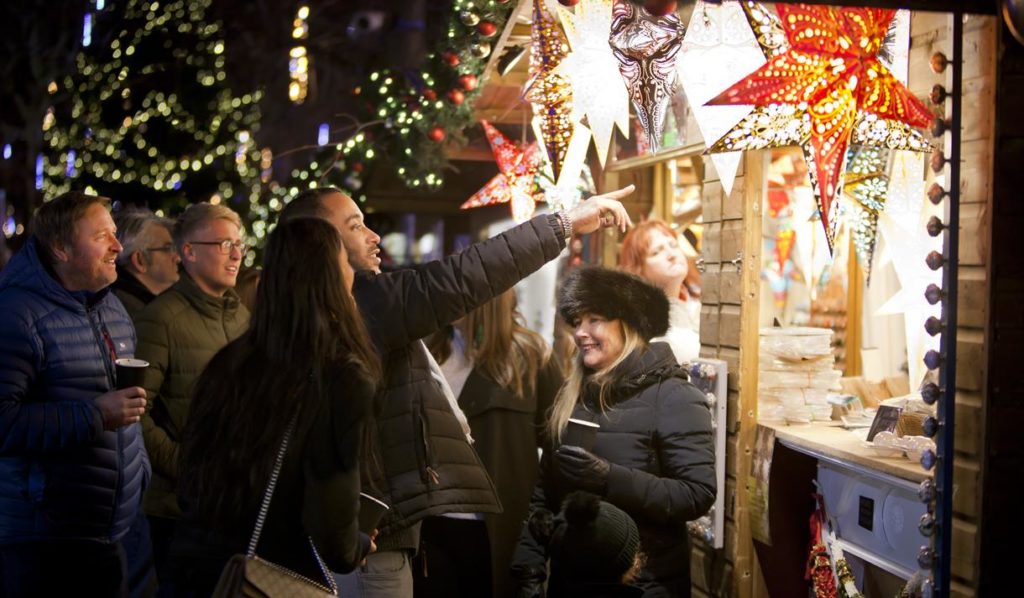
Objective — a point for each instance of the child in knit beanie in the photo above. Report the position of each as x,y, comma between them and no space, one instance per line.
593,545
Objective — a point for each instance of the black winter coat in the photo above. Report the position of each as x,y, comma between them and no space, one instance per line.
317,495
426,465
658,439
508,432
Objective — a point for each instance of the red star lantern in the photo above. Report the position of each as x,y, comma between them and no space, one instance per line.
515,182
832,70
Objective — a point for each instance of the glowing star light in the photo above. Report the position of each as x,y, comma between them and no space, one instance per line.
646,47
719,46
592,69
832,71
548,89
515,181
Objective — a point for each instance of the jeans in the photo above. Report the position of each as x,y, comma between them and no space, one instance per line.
386,574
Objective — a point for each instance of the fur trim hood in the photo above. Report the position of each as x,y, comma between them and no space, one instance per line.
617,296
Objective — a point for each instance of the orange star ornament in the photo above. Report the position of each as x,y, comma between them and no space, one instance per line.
832,71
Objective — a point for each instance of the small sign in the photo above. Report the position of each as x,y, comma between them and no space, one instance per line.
885,420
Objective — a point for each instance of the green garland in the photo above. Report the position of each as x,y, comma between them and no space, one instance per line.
408,122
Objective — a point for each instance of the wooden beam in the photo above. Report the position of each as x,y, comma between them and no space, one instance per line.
499,46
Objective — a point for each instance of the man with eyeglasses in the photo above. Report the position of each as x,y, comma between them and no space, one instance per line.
148,265
179,332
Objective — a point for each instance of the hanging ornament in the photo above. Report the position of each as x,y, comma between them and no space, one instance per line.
480,50
646,47
718,45
487,28
514,183
468,18
660,8
831,71
549,90
455,96
590,66
569,3
450,58
467,81
436,134
866,188
430,94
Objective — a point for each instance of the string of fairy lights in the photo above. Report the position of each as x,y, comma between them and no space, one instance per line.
125,119
407,119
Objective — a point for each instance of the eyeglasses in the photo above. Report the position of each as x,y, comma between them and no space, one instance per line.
224,246
169,247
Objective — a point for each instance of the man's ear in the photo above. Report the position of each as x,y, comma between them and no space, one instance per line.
138,261
60,253
188,253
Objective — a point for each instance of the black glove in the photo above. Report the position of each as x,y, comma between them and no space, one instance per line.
529,581
582,469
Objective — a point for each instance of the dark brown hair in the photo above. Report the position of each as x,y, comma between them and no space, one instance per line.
54,222
304,327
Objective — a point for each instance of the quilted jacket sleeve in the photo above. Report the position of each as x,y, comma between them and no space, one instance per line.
684,442
330,510
29,424
407,305
154,347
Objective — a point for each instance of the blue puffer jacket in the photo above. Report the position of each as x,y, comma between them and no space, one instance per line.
61,475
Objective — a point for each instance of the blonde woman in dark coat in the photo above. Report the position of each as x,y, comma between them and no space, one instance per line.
653,457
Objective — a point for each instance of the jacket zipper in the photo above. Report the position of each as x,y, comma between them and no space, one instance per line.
99,330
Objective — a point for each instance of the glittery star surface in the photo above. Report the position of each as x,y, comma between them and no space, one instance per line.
831,82
515,181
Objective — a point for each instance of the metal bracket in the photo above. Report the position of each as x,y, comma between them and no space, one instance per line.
737,261
701,266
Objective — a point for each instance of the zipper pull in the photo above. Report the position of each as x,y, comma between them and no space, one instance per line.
433,476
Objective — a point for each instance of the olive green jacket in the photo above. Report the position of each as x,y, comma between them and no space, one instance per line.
179,332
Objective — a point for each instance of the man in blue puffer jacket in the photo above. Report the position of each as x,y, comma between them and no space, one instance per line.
72,462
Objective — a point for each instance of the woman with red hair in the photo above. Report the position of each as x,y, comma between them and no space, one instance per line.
651,250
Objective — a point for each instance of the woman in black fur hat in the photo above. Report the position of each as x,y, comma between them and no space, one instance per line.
653,457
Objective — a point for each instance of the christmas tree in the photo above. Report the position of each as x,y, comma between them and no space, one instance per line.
148,117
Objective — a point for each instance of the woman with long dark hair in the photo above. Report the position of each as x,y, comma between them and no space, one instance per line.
307,357
505,380
653,456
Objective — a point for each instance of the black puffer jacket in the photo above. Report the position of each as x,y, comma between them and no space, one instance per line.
428,467
658,439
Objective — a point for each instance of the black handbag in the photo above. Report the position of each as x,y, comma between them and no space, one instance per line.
249,576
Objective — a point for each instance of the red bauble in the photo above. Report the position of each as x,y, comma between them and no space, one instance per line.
487,28
467,82
451,58
568,2
436,134
456,97
430,94
357,167
660,8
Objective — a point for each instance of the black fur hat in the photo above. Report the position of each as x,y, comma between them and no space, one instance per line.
616,296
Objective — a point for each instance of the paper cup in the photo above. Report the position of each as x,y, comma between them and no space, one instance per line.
581,433
371,511
129,372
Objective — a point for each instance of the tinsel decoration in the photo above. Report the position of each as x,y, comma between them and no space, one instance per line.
548,89
514,183
646,47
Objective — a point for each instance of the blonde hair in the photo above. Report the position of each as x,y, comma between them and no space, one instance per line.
199,215
571,391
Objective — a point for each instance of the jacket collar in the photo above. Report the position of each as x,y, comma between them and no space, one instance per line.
28,270
207,305
128,283
644,367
